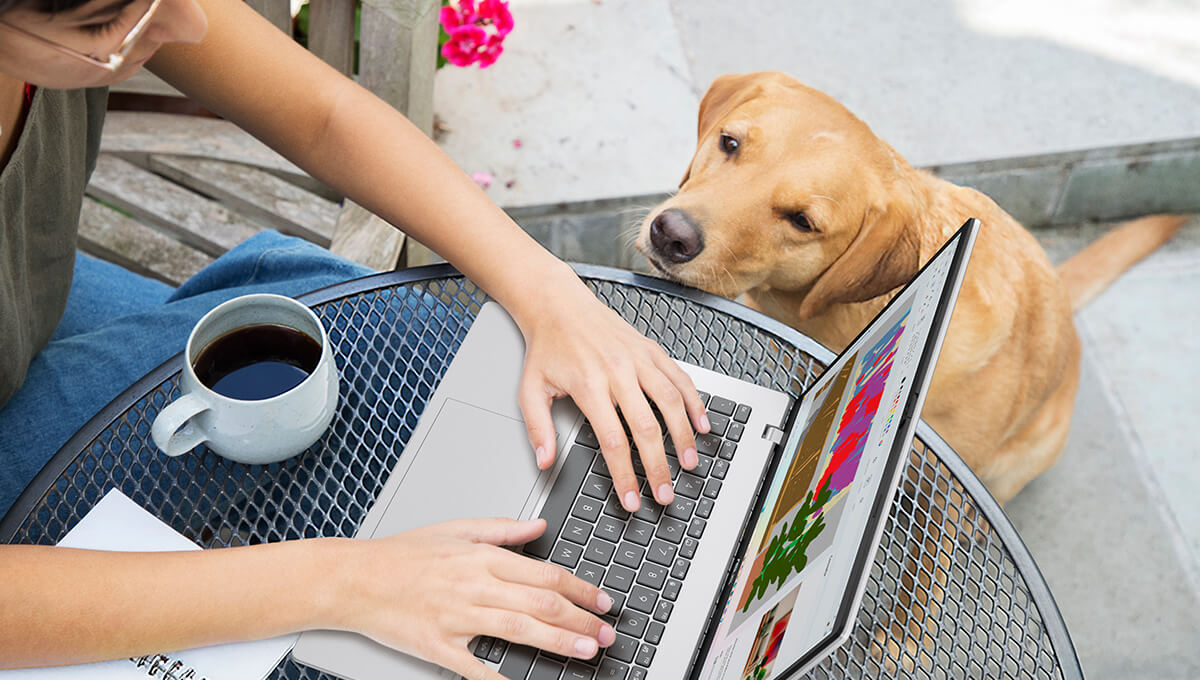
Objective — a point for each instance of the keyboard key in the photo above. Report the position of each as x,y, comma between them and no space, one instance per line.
557,657
632,623
704,508
722,405
562,495
484,646
718,423
639,532
620,578
688,549
587,436
610,528
671,589
655,632
661,552
611,669
671,530
545,669
597,487
703,466
681,508
650,511
742,413
591,572
613,508
680,570
618,601
643,600
587,509
599,551
652,575
689,485
517,662
696,528
637,673
567,554
576,531
623,649
704,397
735,431
720,469
673,465
601,468
578,671
645,655
712,488
707,444
498,649
728,448
663,611
630,555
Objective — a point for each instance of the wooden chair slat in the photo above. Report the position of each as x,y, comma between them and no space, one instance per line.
193,219
278,12
331,32
364,237
117,238
255,194
145,82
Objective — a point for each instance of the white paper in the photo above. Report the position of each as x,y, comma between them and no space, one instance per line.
117,523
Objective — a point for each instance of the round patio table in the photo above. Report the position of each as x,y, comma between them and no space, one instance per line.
979,606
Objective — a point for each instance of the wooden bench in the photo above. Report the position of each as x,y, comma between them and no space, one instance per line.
172,192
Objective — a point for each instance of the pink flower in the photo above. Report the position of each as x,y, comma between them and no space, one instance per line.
483,179
476,30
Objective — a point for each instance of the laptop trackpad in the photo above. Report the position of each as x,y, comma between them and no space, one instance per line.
472,463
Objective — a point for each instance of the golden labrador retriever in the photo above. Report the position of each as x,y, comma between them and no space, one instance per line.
792,202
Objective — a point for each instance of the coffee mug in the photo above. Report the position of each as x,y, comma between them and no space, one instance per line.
259,383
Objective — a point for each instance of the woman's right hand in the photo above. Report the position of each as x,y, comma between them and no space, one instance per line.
429,591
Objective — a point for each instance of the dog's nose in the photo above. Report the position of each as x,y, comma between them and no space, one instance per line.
675,237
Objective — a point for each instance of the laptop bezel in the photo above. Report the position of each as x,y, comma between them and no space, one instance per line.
963,241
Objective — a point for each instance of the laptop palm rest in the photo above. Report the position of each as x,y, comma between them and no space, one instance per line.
473,463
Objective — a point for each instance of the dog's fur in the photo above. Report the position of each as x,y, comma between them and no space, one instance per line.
1004,388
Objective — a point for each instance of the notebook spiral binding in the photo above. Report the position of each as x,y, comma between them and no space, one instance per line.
162,667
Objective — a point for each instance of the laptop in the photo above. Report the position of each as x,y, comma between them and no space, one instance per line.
757,568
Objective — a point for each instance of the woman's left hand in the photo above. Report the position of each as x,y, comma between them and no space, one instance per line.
577,346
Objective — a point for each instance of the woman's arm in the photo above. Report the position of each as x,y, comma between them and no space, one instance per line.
426,592
260,79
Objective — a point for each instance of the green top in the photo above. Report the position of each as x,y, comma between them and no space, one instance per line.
41,192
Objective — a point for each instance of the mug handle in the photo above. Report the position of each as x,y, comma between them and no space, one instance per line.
165,433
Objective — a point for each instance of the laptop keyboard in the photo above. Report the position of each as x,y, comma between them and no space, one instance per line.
640,559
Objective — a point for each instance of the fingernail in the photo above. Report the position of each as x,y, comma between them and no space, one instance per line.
631,501
665,494
541,456
704,424
585,648
604,602
607,635
690,458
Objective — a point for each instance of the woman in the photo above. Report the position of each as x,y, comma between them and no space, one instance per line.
426,592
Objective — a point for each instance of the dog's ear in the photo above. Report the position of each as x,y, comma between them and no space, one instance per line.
883,256
725,94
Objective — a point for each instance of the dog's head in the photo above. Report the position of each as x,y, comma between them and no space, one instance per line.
788,191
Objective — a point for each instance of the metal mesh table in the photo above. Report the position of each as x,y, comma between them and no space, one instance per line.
948,552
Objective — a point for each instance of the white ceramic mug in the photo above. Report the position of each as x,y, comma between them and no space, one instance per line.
258,431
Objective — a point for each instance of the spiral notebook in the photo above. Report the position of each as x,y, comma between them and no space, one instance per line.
117,523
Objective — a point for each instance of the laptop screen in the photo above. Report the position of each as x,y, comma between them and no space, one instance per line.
822,509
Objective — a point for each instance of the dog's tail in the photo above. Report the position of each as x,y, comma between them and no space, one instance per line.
1092,269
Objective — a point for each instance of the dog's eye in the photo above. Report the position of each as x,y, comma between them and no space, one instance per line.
800,221
728,144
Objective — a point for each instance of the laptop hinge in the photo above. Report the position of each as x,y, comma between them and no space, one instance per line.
773,434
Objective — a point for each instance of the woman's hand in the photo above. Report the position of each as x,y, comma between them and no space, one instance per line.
577,346
429,591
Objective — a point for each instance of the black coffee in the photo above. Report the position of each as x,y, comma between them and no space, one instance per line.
259,361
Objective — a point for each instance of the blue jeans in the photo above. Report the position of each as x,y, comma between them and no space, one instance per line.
118,326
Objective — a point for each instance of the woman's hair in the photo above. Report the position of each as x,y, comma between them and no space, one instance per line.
43,6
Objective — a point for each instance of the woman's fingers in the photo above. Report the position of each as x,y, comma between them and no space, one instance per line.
552,608
514,568
647,434
534,397
525,629
598,408
463,662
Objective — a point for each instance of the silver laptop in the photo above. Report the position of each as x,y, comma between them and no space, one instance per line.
759,565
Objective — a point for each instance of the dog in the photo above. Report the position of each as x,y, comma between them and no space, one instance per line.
792,204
